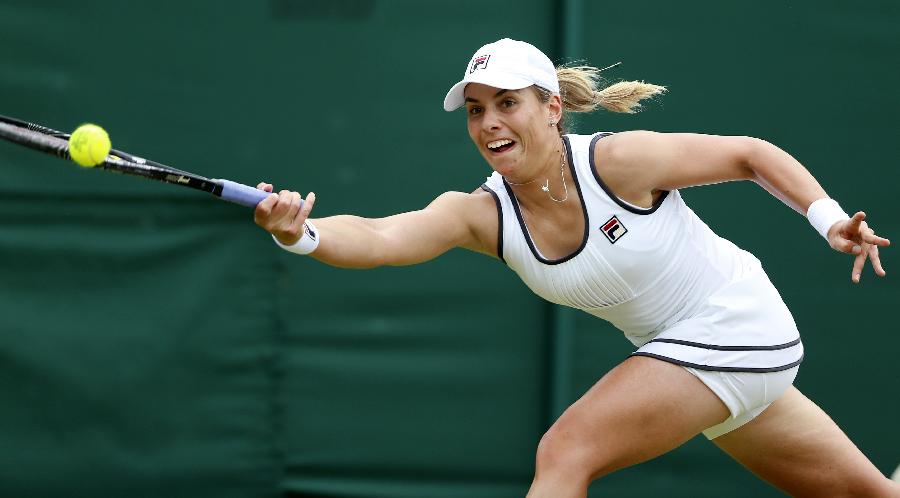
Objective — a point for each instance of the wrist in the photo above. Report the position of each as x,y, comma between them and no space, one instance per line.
284,240
306,244
824,213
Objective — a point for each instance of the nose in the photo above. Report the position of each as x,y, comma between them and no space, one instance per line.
490,120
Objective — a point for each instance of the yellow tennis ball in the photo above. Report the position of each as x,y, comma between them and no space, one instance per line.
89,145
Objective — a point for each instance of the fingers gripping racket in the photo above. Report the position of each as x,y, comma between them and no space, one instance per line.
55,142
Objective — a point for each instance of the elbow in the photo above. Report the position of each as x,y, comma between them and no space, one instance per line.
753,157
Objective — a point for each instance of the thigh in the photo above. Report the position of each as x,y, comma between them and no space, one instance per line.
641,409
795,446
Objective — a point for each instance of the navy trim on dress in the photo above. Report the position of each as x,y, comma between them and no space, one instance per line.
610,193
719,369
728,348
500,220
587,224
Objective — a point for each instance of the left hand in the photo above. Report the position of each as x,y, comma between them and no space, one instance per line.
854,236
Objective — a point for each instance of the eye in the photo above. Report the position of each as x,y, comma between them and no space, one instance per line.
507,103
474,110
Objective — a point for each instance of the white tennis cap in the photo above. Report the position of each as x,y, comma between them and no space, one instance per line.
507,64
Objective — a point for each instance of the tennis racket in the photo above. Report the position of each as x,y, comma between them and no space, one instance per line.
55,142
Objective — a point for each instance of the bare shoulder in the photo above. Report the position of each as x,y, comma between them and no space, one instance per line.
621,160
625,147
477,211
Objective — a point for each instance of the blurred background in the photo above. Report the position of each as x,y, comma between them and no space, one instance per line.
155,342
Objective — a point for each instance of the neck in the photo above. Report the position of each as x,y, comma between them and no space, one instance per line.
550,185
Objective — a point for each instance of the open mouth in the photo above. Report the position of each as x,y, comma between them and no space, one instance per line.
500,146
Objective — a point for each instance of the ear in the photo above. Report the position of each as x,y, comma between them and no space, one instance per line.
554,108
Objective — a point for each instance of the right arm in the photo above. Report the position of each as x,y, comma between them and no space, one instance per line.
453,219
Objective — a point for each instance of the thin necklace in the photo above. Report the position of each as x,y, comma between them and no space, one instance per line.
546,186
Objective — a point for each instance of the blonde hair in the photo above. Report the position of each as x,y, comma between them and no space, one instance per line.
578,90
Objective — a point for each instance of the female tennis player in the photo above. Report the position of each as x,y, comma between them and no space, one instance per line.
596,222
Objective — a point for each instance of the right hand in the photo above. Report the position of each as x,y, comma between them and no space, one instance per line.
281,214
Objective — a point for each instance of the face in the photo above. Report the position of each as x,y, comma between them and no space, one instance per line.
510,129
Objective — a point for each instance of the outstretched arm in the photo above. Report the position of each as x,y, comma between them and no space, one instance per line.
669,161
453,219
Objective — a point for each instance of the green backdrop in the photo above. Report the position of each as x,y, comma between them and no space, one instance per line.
156,343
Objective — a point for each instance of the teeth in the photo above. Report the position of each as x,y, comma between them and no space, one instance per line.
498,143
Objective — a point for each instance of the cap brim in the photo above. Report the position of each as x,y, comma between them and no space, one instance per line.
456,96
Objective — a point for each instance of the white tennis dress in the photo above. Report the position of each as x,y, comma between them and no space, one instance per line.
678,291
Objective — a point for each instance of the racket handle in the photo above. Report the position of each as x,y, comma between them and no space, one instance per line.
239,193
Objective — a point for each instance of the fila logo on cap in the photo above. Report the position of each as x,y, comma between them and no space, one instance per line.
613,229
479,62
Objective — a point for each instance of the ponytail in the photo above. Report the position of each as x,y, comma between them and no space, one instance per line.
578,92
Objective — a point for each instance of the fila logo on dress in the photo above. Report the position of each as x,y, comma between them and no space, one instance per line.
613,229
479,62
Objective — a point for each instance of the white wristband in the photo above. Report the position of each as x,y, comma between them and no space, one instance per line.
307,244
824,213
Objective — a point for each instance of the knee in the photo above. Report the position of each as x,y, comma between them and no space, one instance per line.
562,450
875,487
864,485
